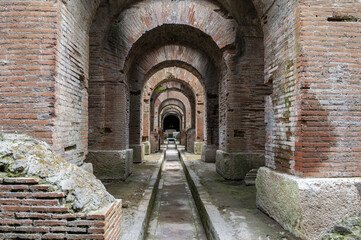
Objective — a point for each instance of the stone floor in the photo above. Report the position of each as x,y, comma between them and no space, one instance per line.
135,193
174,215
235,202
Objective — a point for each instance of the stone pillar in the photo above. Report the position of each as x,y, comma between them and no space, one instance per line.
138,152
235,166
154,141
111,164
190,139
146,147
209,153
307,207
183,137
198,146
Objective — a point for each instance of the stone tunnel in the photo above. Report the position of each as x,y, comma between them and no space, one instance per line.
110,108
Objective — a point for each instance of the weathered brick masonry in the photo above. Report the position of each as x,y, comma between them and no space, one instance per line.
30,210
261,77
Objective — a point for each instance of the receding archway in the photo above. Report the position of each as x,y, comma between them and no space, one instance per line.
171,122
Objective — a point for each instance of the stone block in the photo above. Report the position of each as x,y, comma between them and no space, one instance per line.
87,167
190,138
307,207
146,148
209,153
198,147
154,142
183,137
235,166
138,152
111,164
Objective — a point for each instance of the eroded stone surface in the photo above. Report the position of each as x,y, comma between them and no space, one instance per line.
307,207
235,166
349,228
209,153
111,164
198,147
146,148
138,152
21,155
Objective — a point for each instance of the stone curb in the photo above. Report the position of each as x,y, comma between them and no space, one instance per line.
215,227
141,219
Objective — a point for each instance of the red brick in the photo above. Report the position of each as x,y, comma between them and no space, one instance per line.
48,194
32,229
15,222
22,236
15,208
54,236
50,202
49,209
50,222
21,180
34,215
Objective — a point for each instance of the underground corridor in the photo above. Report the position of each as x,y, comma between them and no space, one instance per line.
180,119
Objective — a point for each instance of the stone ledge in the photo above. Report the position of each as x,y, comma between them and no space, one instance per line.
235,166
215,226
307,207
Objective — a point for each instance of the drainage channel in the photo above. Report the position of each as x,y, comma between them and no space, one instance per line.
174,215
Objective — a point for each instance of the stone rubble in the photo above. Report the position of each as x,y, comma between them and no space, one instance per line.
24,156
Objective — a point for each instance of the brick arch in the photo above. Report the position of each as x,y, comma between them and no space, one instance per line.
191,63
170,110
169,78
197,111
170,113
175,86
119,57
173,102
139,19
173,94
231,71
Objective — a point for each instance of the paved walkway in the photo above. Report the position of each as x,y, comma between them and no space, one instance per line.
174,215
234,205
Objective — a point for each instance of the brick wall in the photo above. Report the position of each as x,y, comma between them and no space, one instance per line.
171,94
172,104
44,72
30,210
171,87
281,27
309,51
27,67
242,89
170,77
328,133
108,90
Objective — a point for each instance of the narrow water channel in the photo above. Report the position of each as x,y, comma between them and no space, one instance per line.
174,215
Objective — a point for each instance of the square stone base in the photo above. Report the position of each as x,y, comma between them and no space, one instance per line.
209,153
198,147
146,148
307,207
111,164
235,166
138,152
